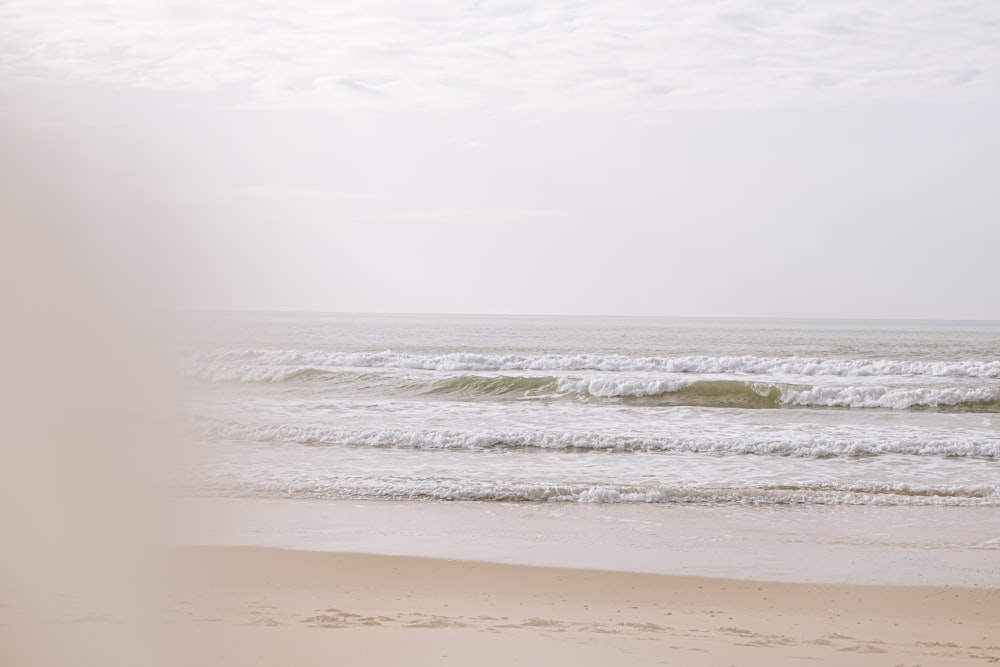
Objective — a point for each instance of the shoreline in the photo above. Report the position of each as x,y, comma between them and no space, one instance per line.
915,545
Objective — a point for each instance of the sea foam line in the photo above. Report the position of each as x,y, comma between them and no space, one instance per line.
758,444
458,490
459,361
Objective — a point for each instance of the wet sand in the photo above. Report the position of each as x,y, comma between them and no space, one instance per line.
919,545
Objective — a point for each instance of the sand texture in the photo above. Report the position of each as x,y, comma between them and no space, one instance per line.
243,605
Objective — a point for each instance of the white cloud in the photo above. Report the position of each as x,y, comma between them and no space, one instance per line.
563,55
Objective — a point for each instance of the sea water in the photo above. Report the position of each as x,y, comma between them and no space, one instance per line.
597,410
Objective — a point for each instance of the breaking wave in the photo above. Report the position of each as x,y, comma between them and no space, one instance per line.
466,361
742,394
676,391
803,446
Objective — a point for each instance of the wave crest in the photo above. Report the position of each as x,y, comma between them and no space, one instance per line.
676,391
467,361
758,444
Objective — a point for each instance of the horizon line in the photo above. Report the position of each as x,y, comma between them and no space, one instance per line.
586,315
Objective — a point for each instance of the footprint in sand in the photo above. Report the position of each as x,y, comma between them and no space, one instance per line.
644,627
546,623
436,622
600,629
327,621
337,618
265,622
864,648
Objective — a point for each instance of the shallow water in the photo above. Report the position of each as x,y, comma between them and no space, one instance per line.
954,546
598,410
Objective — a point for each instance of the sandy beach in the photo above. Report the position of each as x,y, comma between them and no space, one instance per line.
316,605
314,608
245,605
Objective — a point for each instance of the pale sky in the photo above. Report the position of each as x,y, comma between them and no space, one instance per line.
832,158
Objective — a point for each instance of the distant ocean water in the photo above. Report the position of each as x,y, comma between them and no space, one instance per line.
607,410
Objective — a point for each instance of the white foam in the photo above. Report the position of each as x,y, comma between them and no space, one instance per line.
752,365
464,490
604,387
887,397
246,372
763,442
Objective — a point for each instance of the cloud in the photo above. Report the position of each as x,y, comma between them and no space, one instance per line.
565,55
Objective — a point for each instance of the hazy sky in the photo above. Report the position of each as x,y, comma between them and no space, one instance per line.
833,158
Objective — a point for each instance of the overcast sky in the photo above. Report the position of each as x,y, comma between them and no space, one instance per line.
833,158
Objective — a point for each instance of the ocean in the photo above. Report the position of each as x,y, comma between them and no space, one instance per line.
417,408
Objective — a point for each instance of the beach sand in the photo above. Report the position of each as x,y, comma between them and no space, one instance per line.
286,582
260,606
